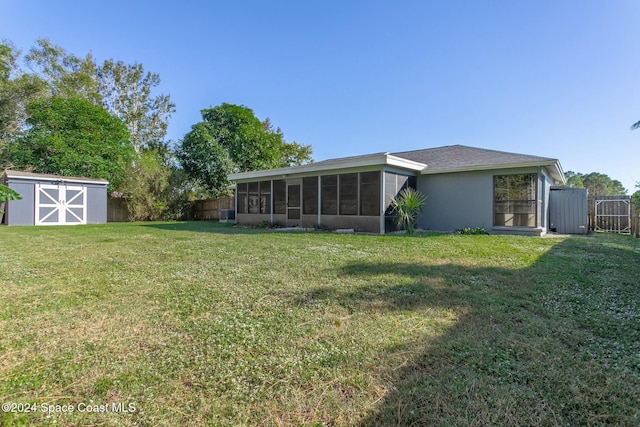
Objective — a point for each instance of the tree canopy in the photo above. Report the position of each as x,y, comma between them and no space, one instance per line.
17,89
597,184
71,136
129,121
126,91
232,139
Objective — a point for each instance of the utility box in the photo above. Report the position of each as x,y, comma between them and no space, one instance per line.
568,210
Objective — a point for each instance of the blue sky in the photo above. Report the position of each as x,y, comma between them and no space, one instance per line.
545,77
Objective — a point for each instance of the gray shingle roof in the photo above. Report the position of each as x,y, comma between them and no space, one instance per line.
455,157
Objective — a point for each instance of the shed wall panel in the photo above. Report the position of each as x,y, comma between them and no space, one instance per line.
96,204
21,212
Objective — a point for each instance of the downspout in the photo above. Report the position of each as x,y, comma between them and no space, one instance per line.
271,203
382,207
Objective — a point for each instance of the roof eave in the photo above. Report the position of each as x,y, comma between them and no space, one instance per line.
552,165
557,173
53,178
379,159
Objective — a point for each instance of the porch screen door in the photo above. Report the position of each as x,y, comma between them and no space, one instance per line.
293,204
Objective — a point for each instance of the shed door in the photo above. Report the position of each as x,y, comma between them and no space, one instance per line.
60,204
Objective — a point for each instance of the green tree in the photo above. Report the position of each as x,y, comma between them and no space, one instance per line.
574,180
597,184
146,179
232,139
70,136
242,135
17,89
204,160
126,92
66,74
291,154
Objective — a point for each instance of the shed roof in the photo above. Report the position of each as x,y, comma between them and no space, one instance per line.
49,177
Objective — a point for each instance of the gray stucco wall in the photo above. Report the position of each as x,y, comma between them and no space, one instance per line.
464,199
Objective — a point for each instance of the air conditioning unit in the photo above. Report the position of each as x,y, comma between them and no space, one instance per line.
227,215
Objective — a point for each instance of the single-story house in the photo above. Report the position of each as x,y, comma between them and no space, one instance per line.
465,187
54,200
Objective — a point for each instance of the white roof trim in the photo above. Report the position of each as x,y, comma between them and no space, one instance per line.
556,172
379,159
53,178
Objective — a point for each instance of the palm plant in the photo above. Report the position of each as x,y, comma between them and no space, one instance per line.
7,194
636,125
407,207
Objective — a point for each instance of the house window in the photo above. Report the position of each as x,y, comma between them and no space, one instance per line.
265,197
370,193
514,200
329,200
241,190
280,196
349,194
310,195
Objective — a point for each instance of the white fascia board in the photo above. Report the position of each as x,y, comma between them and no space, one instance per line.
56,179
557,173
379,159
405,163
501,166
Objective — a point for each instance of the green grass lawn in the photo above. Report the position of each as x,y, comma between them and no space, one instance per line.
205,324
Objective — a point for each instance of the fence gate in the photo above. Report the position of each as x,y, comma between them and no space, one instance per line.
613,215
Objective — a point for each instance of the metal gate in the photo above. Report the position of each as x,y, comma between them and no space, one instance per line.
60,204
613,215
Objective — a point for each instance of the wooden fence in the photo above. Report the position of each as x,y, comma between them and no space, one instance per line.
201,210
213,209
615,214
117,210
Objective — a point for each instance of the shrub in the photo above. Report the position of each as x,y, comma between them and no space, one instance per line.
474,230
407,207
267,224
